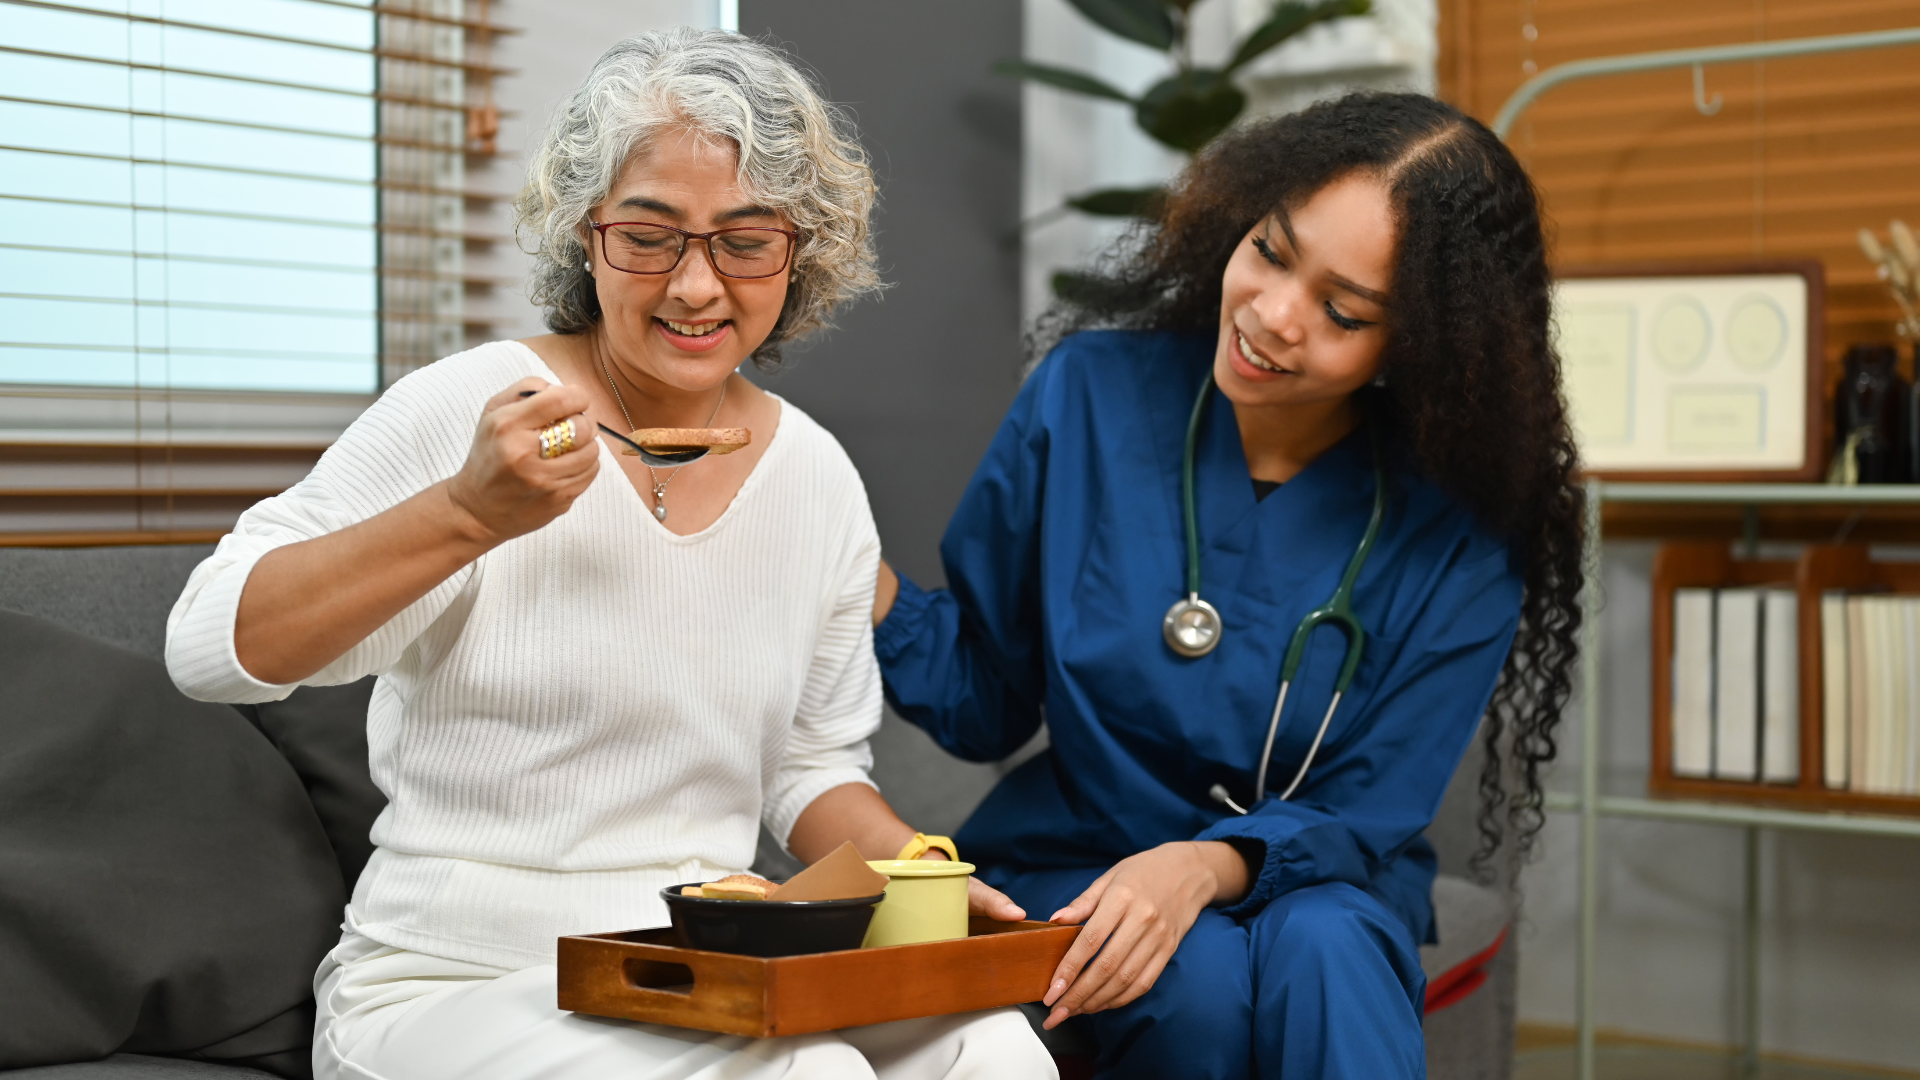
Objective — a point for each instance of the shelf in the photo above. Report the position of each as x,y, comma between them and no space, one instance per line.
1762,494
1715,813
1831,522
1816,512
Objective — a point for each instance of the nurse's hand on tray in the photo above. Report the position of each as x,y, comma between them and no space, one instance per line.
1139,911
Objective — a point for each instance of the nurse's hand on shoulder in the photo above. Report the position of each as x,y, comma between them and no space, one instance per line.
506,488
1135,915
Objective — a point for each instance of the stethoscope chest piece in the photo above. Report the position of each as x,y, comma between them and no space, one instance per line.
1192,626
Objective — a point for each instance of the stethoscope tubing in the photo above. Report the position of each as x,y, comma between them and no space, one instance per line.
1338,610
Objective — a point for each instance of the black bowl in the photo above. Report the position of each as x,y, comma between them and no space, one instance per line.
769,927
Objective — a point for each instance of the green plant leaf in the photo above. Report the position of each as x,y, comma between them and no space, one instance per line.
1187,110
1120,202
1060,79
1144,21
1076,287
1289,18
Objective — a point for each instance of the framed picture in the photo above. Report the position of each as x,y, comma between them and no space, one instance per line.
1682,371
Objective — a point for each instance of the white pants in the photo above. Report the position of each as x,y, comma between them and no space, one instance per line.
390,1014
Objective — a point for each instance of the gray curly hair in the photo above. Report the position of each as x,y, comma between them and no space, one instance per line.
798,155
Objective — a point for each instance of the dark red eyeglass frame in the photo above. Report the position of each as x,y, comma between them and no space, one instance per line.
687,238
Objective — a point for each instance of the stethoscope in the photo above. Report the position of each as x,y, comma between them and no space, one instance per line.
1192,626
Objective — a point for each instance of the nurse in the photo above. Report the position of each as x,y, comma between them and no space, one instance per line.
1338,329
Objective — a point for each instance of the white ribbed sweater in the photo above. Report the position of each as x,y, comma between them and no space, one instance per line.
586,713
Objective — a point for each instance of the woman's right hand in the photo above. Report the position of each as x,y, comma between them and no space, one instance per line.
506,488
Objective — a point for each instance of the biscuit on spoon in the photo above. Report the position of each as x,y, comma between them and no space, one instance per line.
689,442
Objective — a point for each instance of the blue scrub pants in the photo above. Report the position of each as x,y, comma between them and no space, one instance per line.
1324,983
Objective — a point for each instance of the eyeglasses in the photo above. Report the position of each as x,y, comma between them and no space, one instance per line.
643,247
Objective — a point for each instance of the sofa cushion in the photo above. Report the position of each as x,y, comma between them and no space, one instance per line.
1471,922
165,886
138,1067
119,595
322,732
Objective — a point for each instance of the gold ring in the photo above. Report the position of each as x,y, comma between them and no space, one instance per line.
557,439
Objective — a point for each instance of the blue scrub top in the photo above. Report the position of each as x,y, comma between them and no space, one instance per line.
1065,552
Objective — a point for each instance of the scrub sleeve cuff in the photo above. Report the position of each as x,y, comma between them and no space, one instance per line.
904,623
1297,853
1266,871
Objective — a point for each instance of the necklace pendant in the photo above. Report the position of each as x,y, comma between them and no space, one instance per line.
660,511
660,502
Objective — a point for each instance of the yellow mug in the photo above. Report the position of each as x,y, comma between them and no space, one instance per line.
926,901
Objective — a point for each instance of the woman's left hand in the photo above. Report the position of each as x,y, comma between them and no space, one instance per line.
1135,915
984,899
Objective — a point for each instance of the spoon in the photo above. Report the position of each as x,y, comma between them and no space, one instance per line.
659,461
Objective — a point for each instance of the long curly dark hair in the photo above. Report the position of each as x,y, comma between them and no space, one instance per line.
1472,383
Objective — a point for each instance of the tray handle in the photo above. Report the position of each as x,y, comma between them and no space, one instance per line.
659,978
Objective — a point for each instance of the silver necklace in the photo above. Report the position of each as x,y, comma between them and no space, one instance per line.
659,485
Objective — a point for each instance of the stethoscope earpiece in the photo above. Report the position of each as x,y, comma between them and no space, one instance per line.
1219,793
1192,627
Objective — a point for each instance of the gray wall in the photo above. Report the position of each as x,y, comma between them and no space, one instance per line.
914,382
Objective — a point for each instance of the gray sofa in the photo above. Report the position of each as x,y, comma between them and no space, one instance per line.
271,878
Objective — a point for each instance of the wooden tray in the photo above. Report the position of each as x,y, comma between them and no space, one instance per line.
643,975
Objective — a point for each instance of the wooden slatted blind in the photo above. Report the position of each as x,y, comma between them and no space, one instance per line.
1801,154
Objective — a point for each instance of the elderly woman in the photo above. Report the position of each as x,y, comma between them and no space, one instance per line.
597,678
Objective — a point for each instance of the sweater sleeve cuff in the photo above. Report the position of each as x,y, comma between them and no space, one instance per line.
781,813
904,622
200,652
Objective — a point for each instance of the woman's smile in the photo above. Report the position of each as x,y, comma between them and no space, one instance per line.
701,336
1249,363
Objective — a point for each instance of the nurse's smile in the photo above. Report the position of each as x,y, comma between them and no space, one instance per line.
1241,353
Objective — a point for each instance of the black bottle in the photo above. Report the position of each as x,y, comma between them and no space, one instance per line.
1871,403
1910,442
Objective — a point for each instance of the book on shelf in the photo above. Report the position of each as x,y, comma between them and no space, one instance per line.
1736,685
1870,666
1736,682
1693,682
1780,687
1833,688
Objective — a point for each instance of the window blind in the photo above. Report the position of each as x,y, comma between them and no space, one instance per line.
188,195
224,225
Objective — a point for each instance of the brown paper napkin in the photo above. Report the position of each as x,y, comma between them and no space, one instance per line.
842,875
